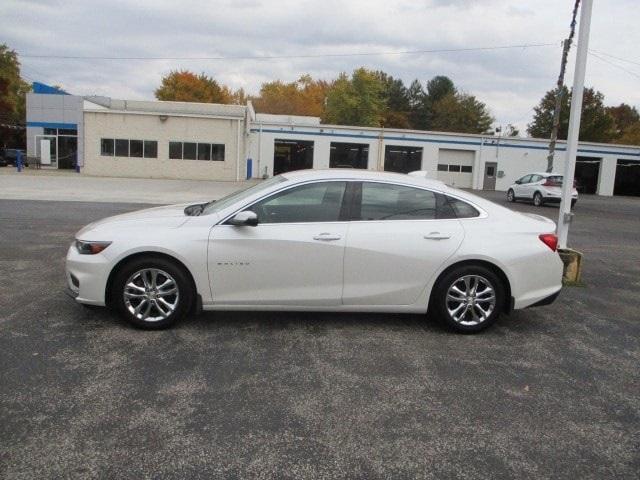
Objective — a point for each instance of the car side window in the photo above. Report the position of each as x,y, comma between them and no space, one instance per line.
382,201
525,179
313,202
535,178
462,209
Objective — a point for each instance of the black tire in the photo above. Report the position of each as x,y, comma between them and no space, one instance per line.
159,315
440,305
511,196
538,201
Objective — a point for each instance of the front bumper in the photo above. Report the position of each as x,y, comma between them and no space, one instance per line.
87,276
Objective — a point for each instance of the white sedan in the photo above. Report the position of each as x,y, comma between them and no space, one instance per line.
312,240
539,188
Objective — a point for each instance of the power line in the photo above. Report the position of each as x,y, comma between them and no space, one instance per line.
613,56
278,57
614,64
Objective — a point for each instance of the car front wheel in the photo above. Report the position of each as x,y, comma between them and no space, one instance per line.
537,199
468,299
511,196
152,293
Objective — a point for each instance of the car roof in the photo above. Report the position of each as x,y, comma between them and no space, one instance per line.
357,174
545,174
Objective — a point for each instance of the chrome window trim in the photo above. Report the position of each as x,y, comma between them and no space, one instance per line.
482,212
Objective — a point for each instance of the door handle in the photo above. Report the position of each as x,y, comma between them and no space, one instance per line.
437,236
327,237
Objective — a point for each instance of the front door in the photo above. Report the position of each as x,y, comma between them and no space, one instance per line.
395,244
490,170
294,256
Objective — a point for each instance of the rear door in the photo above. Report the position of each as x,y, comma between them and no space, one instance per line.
396,241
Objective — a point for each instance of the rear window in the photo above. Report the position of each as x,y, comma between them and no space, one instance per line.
462,209
556,179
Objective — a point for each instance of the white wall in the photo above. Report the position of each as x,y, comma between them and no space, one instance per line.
104,124
515,157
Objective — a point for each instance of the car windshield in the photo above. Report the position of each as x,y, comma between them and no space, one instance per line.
217,205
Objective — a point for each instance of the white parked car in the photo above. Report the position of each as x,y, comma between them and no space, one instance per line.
312,240
539,188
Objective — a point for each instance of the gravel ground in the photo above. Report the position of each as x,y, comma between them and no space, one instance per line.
551,392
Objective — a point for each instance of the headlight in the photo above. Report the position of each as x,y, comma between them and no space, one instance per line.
90,248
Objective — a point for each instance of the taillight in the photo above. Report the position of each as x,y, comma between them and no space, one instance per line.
549,183
550,240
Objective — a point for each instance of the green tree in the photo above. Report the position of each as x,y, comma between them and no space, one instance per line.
419,112
13,92
396,100
185,86
439,87
596,124
358,100
460,112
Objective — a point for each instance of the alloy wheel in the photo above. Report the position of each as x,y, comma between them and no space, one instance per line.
151,295
471,299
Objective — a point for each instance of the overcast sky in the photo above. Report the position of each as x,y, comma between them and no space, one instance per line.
510,81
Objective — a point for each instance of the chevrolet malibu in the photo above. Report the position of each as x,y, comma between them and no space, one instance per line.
312,240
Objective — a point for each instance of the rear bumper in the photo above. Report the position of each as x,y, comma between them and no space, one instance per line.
547,300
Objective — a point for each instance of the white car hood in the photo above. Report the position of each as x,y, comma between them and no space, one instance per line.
170,216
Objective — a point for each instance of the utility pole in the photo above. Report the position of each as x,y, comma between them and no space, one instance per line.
566,45
564,218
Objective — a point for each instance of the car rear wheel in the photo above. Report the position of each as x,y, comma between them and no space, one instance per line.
537,199
468,299
152,293
511,196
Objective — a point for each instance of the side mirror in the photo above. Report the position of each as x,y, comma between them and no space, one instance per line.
246,218
518,182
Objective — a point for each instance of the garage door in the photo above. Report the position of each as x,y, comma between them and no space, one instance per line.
587,173
627,178
455,167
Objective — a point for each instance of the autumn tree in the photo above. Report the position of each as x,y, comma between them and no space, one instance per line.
626,118
596,124
305,96
356,100
185,86
13,92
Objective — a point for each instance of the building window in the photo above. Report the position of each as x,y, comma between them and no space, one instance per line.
189,151
135,148
175,150
128,148
122,147
150,149
290,155
67,131
107,147
204,151
454,168
217,152
443,167
349,155
196,151
402,159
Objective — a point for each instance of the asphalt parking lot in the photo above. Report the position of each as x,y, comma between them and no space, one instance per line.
552,392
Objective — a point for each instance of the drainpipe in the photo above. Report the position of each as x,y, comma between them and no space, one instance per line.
259,166
238,153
